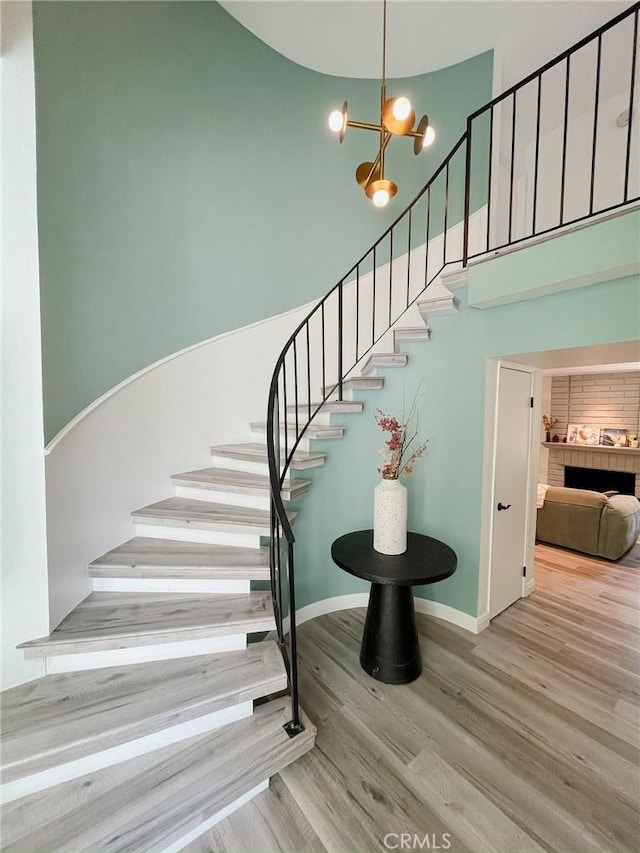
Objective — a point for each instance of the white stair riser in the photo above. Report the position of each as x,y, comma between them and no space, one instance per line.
251,467
229,498
304,443
143,654
208,824
184,585
259,432
321,419
240,465
205,537
124,751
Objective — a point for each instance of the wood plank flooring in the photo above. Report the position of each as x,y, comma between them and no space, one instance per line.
523,738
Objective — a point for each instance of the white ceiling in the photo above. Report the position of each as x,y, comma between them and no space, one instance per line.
344,37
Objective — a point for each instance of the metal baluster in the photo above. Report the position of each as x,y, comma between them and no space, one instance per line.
373,310
390,273
409,258
308,375
357,308
426,248
536,158
513,163
340,342
324,368
284,401
446,214
467,195
490,173
295,381
564,138
596,105
631,96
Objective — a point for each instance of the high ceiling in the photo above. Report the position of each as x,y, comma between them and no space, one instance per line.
343,37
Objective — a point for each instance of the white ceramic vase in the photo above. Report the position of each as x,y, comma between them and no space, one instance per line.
390,517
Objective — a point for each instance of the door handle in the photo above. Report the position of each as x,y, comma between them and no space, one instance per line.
501,507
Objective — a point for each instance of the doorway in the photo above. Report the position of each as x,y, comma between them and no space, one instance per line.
511,486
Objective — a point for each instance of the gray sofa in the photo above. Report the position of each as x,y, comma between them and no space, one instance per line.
589,521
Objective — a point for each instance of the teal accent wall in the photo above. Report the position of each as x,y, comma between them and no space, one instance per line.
188,183
446,487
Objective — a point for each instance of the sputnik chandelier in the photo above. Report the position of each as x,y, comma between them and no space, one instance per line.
397,118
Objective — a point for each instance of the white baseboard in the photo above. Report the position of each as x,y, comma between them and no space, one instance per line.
422,605
529,587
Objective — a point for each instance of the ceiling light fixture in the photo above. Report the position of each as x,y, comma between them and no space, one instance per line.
397,118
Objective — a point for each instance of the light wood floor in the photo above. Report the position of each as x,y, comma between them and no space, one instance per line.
523,738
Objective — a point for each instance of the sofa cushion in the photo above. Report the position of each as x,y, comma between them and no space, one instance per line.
619,526
571,518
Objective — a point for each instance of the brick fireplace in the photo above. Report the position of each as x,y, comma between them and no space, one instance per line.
605,399
601,458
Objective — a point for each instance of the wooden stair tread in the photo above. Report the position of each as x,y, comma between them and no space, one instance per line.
143,557
255,452
115,620
204,515
240,482
148,803
60,718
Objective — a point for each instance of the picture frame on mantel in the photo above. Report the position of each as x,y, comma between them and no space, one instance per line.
588,434
572,431
614,437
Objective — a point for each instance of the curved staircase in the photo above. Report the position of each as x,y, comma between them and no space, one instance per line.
162,710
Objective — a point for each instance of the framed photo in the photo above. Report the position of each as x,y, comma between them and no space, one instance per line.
572,432
612,437
588,434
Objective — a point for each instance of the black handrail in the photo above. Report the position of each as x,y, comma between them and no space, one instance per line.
295,370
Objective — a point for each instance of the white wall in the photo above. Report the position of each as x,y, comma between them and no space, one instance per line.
24,566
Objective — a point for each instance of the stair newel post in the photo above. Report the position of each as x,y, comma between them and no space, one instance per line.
467,195
340,340
294,727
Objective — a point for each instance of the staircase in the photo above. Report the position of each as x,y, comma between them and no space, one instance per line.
163,708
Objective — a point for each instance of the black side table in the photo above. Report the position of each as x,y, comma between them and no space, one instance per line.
390,651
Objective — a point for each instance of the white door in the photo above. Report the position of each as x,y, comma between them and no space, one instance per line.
511,488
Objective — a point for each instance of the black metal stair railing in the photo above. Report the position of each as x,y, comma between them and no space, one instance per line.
473,204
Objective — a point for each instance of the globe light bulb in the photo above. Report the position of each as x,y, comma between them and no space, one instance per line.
429,136
380,198
401,108
335,121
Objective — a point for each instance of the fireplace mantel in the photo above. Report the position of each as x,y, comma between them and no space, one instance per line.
598,448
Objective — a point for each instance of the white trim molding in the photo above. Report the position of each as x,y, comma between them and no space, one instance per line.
473,624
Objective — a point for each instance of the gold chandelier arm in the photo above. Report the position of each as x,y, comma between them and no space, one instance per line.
379,161
363,125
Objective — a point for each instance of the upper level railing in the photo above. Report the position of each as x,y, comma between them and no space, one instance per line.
554,150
